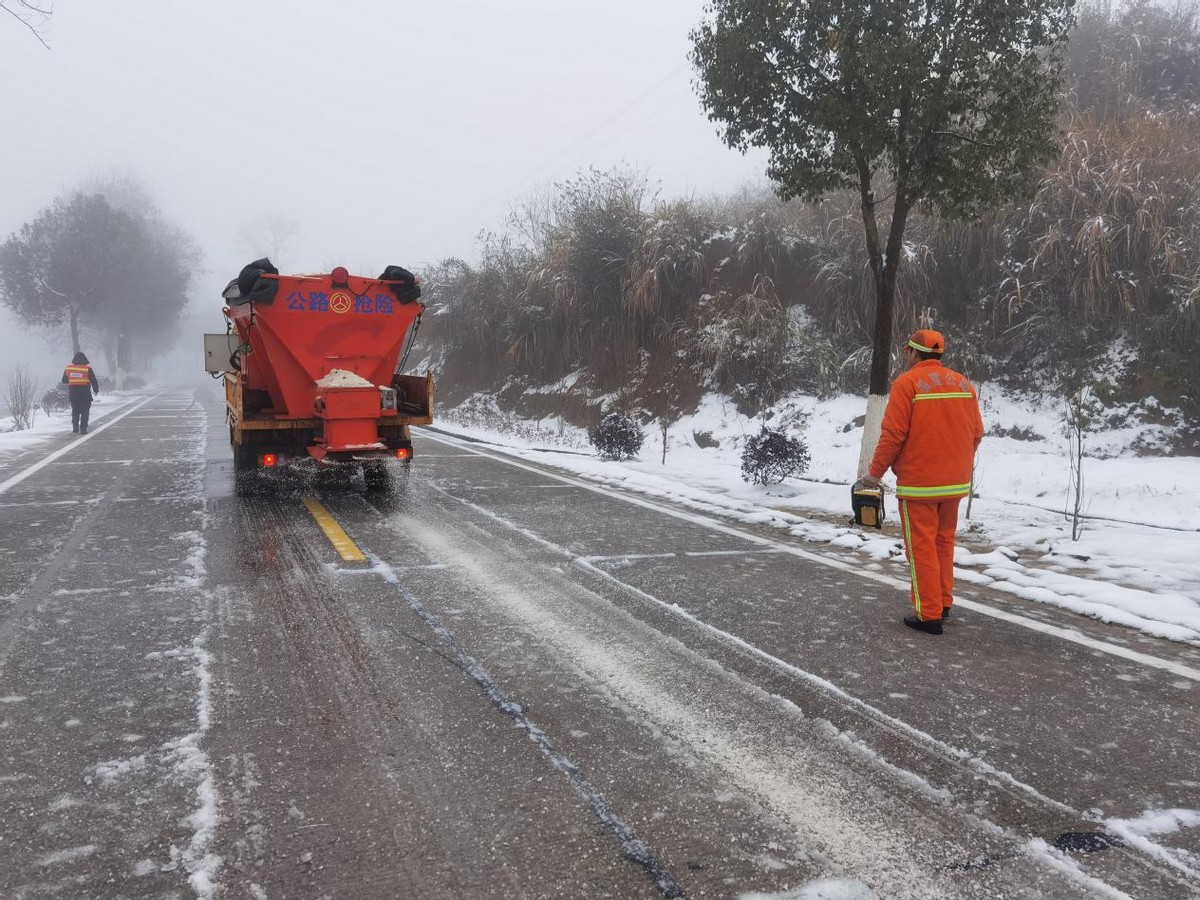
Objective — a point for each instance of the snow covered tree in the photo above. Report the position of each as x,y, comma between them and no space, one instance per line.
944,104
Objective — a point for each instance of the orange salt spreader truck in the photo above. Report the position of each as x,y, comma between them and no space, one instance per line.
311,368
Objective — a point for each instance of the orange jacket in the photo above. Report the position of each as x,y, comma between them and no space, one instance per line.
931,429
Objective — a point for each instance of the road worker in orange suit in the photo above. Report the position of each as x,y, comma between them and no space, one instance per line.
931,430
81,382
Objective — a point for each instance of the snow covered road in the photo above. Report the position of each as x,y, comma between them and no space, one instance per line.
103,669
536,686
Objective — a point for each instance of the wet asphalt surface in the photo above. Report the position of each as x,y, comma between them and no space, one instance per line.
531,687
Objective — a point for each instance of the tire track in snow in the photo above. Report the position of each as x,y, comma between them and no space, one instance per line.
632,847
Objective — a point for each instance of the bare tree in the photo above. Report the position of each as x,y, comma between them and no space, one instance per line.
34,17
532,218
20,394
664,403
974,485
268,234
1080,417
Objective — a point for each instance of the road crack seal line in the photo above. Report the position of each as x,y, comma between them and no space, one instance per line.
634,849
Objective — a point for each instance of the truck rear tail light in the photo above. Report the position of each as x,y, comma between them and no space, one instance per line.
404,453
269,459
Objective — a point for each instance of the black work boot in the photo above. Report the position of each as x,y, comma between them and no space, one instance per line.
929,626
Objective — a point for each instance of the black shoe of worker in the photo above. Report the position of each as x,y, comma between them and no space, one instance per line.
929,626
74,429
945,613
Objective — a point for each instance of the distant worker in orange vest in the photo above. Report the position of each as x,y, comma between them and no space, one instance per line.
80,381
931,430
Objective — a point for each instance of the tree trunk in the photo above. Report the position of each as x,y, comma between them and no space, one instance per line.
881,344
123,362
74,331
884,270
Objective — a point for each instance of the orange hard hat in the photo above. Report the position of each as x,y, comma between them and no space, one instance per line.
927,341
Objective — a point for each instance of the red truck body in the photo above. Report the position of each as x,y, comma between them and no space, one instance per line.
314,373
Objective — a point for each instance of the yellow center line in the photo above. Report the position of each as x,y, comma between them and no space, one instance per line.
345,547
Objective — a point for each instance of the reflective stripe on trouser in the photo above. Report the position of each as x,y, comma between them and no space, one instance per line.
929,527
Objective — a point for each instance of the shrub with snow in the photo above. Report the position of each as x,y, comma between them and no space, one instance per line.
616,437
772,456
55,399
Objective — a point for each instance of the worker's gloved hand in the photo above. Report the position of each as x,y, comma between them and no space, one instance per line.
869,480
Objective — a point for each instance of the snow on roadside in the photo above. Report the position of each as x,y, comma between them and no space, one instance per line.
48,426
1137,833
45,428
1136,564
191,759
191,763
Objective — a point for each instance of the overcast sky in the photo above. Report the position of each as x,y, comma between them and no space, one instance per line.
392,132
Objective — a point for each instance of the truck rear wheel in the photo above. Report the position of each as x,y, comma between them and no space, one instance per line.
243,459
377,477
243,467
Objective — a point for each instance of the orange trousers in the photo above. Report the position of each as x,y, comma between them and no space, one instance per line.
929,527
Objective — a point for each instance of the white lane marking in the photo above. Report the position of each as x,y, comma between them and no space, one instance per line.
41,464
40,503
768,552
922,739
431,567
897,726
683,554
446,455
1066,634
528,487
622,557
100,462
163,498
947,751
